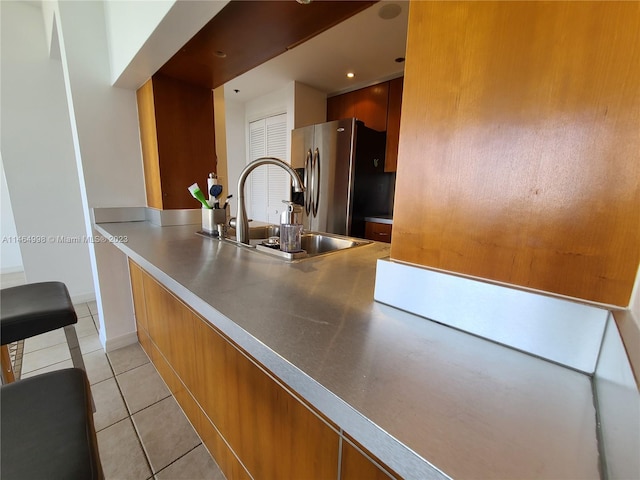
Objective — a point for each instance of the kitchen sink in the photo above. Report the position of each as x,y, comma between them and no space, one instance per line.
313,244
319,243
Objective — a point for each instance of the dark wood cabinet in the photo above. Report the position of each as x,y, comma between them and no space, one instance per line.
367,104
378,106
380,232
178,140
393,124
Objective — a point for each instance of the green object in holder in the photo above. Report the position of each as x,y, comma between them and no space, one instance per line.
198,195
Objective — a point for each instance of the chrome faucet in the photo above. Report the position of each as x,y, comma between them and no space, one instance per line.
242,223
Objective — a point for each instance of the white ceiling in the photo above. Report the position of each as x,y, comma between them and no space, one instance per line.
365,44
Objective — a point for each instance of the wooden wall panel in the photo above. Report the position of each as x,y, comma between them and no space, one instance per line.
186,138
519,148
149,144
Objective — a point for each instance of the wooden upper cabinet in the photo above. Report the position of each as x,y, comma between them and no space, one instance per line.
371,106
341,106
367,104
177,138
378,106
393,124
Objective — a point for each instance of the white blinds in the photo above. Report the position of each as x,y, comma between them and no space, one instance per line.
267,185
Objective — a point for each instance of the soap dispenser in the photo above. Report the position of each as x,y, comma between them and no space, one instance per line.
291,228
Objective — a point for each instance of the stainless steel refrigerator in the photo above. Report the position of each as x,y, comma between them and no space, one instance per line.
342,165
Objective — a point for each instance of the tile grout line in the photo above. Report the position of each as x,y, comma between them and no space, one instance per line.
130,417
180,457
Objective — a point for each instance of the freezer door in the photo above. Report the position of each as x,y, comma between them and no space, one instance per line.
332,177
302,145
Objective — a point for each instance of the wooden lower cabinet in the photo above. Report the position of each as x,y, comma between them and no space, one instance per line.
251,425
380,232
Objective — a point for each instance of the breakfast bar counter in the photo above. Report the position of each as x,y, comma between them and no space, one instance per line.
427,400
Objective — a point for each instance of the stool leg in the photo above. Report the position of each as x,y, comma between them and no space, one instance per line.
76,353
7,368
74,347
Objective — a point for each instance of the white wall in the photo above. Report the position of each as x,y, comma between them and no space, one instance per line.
38,156
310,105
10,257
129,25
104,125
236,146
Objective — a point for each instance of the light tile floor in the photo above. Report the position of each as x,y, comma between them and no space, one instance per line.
142,432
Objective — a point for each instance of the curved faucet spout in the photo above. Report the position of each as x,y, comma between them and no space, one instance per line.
242,223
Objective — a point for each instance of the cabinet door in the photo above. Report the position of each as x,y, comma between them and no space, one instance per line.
371,106
393,124
341,106
367,104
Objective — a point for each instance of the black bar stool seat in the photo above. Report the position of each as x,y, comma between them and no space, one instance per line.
47,428
34,308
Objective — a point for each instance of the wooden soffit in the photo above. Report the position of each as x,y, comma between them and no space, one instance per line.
248,33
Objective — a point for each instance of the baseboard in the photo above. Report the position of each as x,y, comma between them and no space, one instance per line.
122,341
7,270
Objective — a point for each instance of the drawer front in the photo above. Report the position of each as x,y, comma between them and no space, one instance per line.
380,232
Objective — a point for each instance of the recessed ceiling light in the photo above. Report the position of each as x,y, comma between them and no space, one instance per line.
304,2
389,11
220,54
351,75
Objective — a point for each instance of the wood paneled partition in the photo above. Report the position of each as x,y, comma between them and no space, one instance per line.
177,136
519,156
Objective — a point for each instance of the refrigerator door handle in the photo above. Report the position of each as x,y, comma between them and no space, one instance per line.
316,182
308,178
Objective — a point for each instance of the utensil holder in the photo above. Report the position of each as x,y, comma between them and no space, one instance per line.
212,217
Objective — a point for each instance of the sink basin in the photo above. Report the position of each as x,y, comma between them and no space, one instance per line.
263,231
313,244
319,243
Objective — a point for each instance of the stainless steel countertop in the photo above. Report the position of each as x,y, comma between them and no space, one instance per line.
423,397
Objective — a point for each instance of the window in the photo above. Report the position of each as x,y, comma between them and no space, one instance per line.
268,186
